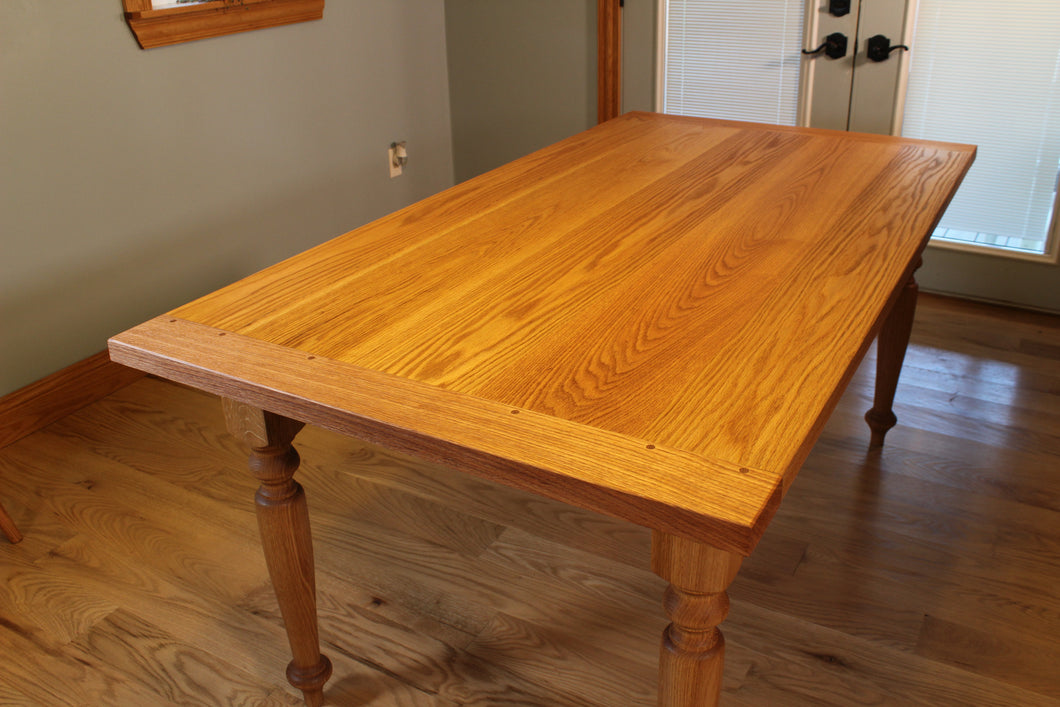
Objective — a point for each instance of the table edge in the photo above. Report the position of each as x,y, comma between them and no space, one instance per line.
713,501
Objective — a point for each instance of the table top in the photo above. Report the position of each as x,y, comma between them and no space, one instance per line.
652,319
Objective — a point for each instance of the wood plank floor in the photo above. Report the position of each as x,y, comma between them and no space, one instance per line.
928,574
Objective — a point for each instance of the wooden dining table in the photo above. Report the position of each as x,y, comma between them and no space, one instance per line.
652,319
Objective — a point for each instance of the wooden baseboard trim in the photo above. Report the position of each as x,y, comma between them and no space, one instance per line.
53,397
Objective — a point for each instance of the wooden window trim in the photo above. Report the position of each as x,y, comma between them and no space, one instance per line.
173,25
608,59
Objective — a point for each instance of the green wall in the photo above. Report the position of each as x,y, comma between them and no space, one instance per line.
522,75
132,181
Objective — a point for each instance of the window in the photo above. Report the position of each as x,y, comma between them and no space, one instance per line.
162,22
732,60
989,74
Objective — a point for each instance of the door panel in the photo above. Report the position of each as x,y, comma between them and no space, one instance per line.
827,81
874,93
855,92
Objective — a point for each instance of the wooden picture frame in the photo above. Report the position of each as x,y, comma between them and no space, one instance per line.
186,23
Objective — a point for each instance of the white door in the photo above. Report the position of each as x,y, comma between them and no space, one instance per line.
856,92
971,74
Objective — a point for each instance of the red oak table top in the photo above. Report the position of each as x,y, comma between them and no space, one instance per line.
652,319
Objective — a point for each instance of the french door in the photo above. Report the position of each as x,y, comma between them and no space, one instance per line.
861,91
977,71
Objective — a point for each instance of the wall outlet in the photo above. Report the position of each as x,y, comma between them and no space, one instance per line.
397,157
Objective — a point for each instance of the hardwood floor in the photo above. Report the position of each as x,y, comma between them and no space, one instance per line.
925,574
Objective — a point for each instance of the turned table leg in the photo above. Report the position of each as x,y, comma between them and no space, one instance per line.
891,345
283,520
692,657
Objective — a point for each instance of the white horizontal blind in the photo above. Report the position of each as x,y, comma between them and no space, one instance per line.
736,60
988,73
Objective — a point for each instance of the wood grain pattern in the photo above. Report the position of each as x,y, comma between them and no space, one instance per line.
702,287
38,404
718,502
8,527
283,522
923,575
691,660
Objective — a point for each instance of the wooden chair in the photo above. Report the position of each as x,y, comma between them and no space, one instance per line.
8,526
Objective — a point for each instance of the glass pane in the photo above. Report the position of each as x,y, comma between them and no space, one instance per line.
988,73
735,60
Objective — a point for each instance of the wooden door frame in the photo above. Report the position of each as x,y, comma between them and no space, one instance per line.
608,59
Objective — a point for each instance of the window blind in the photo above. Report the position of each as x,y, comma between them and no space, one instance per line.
736,60
988,73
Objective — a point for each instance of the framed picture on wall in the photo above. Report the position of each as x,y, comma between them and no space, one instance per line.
157,23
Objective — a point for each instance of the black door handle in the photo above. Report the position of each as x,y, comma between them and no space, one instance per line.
880,48
838,8
833,47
